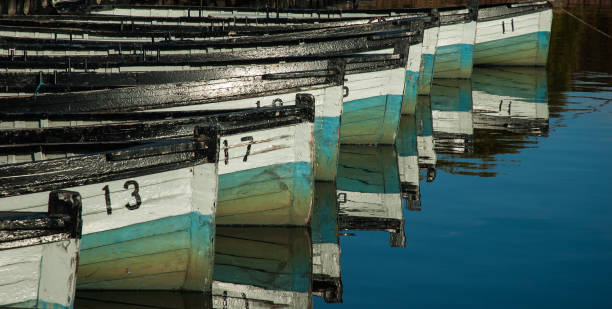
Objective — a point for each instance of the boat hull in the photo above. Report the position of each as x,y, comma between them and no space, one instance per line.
518,40
268,182
39,276
455,50
371,111
121,216
426,72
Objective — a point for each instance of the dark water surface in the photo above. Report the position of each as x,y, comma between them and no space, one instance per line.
523,221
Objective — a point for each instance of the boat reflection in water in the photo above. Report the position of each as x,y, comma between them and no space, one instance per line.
425,142
513,99
407,162
369,195
326,277
451,109
262,267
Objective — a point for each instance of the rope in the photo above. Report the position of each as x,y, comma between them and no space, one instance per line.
587,24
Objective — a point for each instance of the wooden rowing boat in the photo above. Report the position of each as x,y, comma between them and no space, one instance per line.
513,34
39,252
134,190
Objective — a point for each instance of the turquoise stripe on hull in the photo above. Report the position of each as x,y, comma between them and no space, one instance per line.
411,92
278,194
406,143
368,169
39,305
451,95
371,121
326,132
324,224
427,73
174,253
273,258
454,61
527,49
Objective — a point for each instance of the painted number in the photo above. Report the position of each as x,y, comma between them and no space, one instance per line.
248,149
131,205
135,194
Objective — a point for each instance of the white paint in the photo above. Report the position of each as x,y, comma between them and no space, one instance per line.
462,33
452,122
408,169
372,205
415,54
326,260
257,297
430,40
507,106
287,144
43,272
371,84
425,147
492,30
327,101
165,194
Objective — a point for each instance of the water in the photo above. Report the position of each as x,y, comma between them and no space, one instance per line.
524,220
508,206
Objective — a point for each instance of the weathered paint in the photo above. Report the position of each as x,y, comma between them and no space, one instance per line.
430,42
262,265
39,276
276,194
174,253
455,51
411,83
162,195
426,74
327,141
371,111
516,40
526,49
266,178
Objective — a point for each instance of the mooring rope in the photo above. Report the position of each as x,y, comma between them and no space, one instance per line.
587,24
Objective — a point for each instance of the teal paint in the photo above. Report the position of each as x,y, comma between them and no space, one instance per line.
454,61
368,170
406,142
372,120
148,229
423,117
526,83
411,91
303,188
543,46
46,305
326,132
296,178
426,74
451,95
527,49
193,231
272,263
324,223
